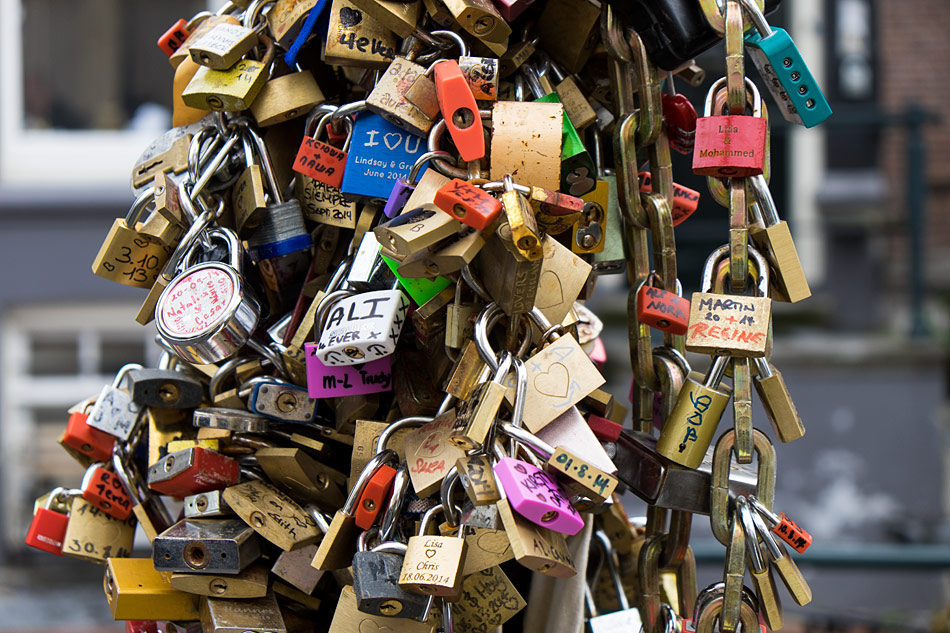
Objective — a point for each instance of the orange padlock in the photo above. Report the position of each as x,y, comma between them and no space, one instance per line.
174,37
374,496
104,490
86,439
662,309
467,203
459,110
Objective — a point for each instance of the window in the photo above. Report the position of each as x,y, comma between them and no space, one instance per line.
48,363
84,87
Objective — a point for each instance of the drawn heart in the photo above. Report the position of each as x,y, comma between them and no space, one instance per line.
494,542
394,144
350,17
550,292
430,553
554,382
368,626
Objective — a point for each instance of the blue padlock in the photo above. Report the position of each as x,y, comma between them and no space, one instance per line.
784,70
380,154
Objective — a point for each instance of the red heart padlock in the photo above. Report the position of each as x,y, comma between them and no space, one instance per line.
679,117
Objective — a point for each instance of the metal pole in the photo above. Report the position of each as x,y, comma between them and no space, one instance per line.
914,119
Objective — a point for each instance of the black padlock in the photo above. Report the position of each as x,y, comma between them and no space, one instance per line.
165,389
375,576
673,31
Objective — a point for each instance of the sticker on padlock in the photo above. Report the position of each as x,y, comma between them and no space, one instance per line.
362,328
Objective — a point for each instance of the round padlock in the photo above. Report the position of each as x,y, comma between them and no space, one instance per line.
206,314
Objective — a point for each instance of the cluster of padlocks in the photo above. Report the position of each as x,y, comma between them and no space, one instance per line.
367,243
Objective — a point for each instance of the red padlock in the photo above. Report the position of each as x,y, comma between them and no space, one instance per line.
321,161
192,470
468,204
48,528
172,39
662,309
685,200
374,496
459,110
785,528
732,144
104,490
679,117
86,439
605,430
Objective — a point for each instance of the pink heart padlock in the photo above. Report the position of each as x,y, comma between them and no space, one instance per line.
537,496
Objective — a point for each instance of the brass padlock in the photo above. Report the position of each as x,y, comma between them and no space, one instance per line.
273,514
402,18
233,89
222,45
433,564
286,97
388,98
537,164
128,256
357,39
135,591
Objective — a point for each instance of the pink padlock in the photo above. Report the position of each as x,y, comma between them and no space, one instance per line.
327,381
535,495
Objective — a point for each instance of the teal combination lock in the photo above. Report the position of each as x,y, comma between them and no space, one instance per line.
785,72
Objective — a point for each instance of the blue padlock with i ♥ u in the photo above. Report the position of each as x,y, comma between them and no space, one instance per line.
380,154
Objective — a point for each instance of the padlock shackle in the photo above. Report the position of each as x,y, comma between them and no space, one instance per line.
766,202
757,563
385,456
455,37
709,608
758,18
397,499
603,543
434,138
453,514
413,421
413,177
761,509
719,84
773,547
123,373
541,448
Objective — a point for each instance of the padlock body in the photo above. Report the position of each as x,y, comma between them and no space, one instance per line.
285,98
320,161
777,243
87,439
787,77
397,198
47,531
231,90
174,37
380,154
433,566
105,491
730,325
662,309
691,426
374,496
191,471
685,200
375,583
468,204
460,110
129,257
362,328
537,496
729,146
792,534
779,407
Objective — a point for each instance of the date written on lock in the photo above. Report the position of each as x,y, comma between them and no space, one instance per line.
737,324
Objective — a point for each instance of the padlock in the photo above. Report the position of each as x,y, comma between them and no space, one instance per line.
538,162
48,528
468,204
190,471
197,26
685,200
403,188
691,426
589,233
362,327
415,230
787,570
477,479
206,546
114,411
730,145
230,419
788,530
274,515
222,45
475,416
433,564
174,37
348,617
205,505
167,221
207,313
136,591
321,161
770,606
734,325
626,618
568,31
87,440
522,226
459,109
482,19
250,583
376,582
286,97
388,98
286,18
280,401
576,107
104,490
535,547
460,321
165,389
381,154
537,496
339,542
489,599
262,615
130,257
294,568
679,120
374,496
429,452
233,89
662,309
778,404
578,475
775,242
401,18
93,535
306,478
357,39
280,246
784,70
481,74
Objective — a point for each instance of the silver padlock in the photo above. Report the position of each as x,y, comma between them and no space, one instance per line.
206,314
206,546
115,412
